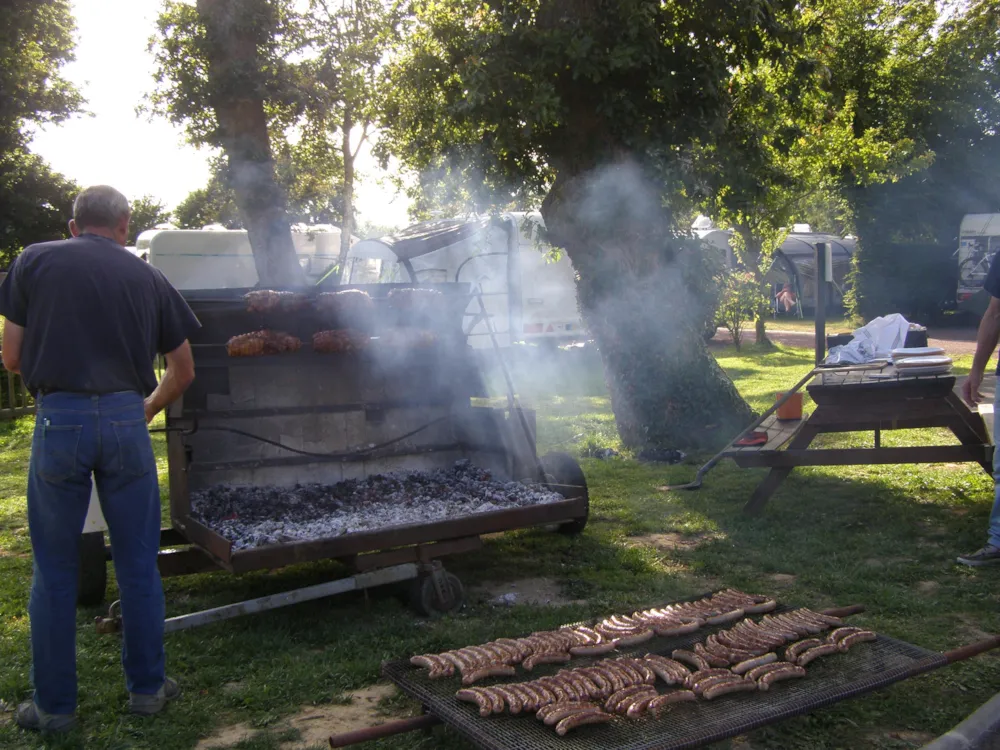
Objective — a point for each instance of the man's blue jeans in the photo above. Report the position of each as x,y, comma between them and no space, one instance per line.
76,435
995,515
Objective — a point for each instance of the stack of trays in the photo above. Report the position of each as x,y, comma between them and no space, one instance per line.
925,360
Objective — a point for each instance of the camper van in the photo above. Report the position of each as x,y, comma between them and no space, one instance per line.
219,258
978,242
529,295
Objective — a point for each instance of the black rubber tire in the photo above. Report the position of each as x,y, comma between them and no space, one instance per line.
425,601
93,579
565,475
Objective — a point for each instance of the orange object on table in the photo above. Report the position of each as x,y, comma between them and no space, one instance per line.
792,408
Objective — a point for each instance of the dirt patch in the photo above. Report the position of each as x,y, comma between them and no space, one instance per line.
970,629
928,588
537,591
672,541
315,724
784,579
912,739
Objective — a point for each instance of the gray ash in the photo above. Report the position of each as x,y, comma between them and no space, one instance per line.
256,516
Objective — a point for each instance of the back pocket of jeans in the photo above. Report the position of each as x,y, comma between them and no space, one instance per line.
135,450
55,451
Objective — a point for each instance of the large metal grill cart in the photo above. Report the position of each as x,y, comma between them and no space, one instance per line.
397,397
874,663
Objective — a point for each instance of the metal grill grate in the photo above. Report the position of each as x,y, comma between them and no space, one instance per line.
867,667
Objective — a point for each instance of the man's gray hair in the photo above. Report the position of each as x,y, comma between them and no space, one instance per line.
100,206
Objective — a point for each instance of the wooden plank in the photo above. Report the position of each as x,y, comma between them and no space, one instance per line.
11,399
779,432
886,411
973,420
859,456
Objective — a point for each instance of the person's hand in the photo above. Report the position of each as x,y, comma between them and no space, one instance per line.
150,410
970,389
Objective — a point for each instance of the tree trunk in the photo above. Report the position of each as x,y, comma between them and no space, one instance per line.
233,61
763,310
752,253
642,293
347,226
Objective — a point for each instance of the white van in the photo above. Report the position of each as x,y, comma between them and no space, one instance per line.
529,295
978,242
222,258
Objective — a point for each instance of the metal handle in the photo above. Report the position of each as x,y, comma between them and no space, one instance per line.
384,730
973,649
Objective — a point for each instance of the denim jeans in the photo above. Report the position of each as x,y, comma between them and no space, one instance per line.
994,533
75,436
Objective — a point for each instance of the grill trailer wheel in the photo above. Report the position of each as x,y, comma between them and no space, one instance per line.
564,475
427,600
93,579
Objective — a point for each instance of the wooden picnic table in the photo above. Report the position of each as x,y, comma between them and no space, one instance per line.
870,400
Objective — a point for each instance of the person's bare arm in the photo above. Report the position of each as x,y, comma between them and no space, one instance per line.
986,344
176,379
13,338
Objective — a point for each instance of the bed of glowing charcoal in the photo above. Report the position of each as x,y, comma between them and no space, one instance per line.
257,516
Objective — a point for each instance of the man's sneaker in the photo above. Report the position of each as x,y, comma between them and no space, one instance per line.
30,716
147,705
988,555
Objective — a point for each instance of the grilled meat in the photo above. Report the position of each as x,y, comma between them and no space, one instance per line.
261,343
339,341
267,301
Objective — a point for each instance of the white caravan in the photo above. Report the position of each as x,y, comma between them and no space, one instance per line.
529,295
222,258
978,242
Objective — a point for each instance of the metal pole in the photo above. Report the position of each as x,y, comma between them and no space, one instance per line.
395,574
821,282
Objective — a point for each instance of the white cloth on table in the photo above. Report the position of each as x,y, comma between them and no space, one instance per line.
873,341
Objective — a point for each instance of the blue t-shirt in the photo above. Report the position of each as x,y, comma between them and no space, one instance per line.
94,316
992,284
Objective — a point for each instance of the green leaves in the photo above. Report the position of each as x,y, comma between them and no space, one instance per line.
36,40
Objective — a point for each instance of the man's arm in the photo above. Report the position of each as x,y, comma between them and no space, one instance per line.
177,378
13,338
986,344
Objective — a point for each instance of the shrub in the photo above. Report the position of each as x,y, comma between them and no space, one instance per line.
738,303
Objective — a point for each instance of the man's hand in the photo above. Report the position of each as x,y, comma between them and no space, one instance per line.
151,410
970,389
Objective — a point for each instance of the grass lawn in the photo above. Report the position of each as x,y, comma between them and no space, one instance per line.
882,536
836,324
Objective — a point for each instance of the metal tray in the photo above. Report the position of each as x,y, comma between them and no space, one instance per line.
865,668
279,555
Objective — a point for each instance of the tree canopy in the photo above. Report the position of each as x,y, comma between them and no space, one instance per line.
593,104
147,212
36,41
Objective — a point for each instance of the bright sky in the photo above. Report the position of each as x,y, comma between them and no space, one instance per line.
114,146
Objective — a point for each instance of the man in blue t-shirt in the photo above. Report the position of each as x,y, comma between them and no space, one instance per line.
986,344
84,321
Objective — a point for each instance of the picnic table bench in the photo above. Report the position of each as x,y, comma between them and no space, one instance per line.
869,400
